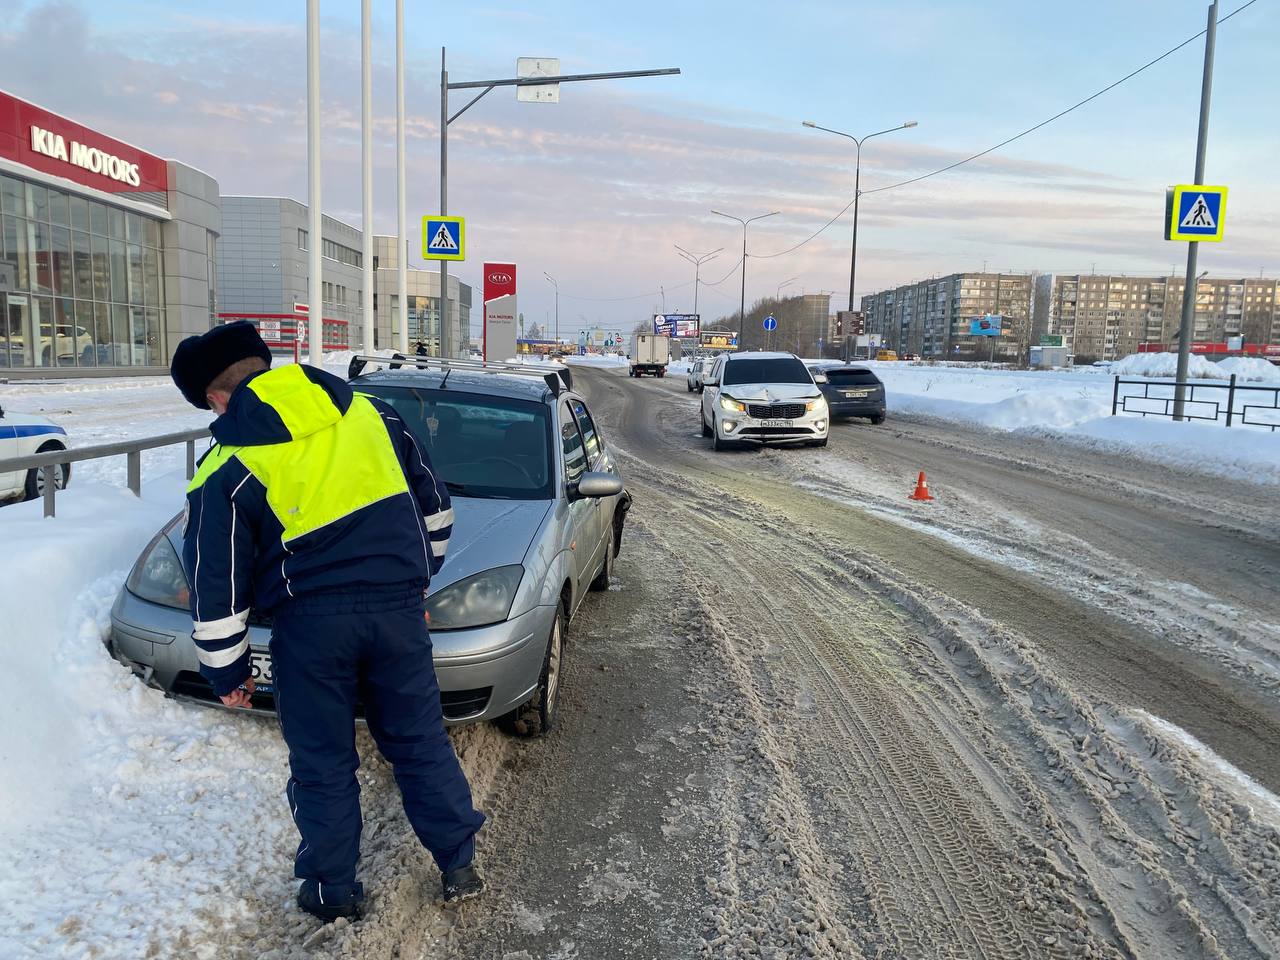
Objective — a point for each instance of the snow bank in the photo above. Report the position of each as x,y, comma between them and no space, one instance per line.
595,360
1075,406
44,566
1199,368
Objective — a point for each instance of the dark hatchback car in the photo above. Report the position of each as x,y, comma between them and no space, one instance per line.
850,391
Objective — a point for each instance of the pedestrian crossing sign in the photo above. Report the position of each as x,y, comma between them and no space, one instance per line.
1194,211
444,238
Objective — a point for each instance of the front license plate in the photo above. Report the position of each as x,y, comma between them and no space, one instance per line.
855,394
260,670
776,423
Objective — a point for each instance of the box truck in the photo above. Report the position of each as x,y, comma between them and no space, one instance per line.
649,354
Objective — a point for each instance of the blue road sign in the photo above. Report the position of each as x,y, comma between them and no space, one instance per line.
1195,212
444,238
771,322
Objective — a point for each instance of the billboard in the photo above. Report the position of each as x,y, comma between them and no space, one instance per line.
988,326
684,326
720,340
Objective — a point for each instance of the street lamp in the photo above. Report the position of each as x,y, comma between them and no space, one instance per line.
742,302
484,86
857,187
697,259
552,281
785,283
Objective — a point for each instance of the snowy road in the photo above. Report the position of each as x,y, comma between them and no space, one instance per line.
861,736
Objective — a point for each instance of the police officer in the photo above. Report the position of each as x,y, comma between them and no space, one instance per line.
318,506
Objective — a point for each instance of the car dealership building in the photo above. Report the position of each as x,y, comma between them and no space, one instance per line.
108,254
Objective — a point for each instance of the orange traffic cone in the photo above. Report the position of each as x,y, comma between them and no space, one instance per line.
922,490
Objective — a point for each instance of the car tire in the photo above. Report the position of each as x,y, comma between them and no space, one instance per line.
699,388
878,420
33,488
719,445
706,431
603,578
536,717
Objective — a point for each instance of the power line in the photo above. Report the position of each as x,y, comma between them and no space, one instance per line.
1005,143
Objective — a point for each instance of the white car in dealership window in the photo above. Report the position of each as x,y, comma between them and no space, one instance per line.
24,434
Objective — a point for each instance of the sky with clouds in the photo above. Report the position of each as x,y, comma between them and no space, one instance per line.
597,189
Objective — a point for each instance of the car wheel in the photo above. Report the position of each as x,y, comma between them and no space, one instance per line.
537,717
878,420
706,431
34,486
718,444
86,357
700,388
601,582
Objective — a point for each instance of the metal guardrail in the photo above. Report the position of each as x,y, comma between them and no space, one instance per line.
131,449
1120,402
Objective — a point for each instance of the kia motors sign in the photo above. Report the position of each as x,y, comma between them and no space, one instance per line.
499,311
55,145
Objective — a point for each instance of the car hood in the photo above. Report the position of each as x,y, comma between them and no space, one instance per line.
486,534
770,392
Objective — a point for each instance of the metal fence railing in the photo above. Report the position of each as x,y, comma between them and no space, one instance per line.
1215,401
130,449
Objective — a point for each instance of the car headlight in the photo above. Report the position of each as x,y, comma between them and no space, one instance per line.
476,601
812,405
158,576
732,405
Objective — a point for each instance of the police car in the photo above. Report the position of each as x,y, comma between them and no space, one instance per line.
24,434
539,505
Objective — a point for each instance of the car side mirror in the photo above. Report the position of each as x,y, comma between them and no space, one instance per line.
595,484
820,378
711,383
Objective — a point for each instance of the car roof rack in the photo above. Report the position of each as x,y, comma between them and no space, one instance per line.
557,381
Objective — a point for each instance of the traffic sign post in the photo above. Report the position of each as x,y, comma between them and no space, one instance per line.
1194,211
444,238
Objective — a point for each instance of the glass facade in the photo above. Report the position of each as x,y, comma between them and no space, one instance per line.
80,281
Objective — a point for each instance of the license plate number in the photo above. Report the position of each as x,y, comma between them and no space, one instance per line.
855,393
261,671
776,423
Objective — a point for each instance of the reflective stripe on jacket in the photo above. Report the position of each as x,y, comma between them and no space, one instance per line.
309,487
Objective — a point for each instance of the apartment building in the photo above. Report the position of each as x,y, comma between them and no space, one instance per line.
931,317
1105,317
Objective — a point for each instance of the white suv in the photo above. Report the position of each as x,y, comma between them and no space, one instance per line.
763,398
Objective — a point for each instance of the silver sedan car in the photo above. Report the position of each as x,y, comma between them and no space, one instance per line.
539,506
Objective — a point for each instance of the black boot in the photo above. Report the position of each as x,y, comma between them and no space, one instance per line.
463,883
323,904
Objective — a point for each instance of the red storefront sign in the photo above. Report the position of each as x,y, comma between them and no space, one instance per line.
499,280
55,145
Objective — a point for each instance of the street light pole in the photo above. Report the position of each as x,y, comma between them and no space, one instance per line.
742,302
697,259
857,187
484,86
366,172
1191,290
402,268
552,280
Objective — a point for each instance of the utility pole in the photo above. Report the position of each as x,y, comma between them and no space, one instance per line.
315,292
366,172
402,267
1191,289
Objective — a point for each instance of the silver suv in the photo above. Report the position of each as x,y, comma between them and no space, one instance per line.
539,508
759,398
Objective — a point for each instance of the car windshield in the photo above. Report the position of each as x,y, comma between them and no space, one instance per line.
483,446
772,370
858,376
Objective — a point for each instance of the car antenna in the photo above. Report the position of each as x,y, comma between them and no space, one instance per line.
445,381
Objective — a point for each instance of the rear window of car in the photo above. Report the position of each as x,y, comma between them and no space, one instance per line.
847,377
485,447
772,370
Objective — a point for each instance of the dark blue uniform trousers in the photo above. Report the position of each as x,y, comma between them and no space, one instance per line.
370,644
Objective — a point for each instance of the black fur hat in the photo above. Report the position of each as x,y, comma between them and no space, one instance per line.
199,360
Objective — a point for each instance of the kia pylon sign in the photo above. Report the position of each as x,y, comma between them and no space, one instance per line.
500,313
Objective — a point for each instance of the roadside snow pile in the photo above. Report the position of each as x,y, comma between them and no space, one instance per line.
1199,368
597,360
1074,406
